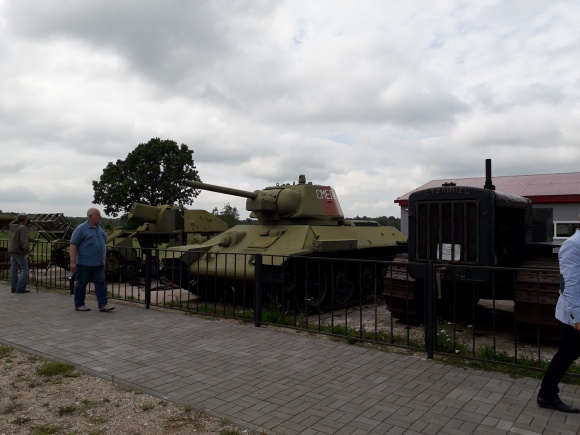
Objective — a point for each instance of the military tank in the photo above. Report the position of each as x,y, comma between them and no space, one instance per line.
305,243
165,224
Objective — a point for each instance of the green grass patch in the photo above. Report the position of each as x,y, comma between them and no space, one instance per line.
56,368
67,410
147,406
11,408
21,419
5,351
46,429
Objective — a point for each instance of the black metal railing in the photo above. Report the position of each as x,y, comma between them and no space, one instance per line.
448,310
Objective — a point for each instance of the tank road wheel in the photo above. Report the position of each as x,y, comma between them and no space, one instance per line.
315,286
341,288
367,282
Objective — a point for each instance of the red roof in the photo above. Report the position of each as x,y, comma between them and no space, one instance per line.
541,188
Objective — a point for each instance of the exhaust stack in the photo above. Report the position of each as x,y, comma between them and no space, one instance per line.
488,184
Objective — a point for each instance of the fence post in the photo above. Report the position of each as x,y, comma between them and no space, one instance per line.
430,330
147,253
257,290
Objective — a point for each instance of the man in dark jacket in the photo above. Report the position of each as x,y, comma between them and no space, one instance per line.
19,249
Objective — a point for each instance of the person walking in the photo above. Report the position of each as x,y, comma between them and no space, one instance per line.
568,314
87,259
19,250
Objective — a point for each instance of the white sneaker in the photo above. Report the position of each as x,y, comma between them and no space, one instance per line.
106,308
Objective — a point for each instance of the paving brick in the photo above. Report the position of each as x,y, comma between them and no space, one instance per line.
277,382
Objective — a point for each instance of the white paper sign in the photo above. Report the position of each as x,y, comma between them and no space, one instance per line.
447,249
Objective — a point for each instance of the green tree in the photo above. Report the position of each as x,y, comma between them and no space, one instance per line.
229,215
390,221
153,174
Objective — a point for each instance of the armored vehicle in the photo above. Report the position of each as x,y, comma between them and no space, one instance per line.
478,243
295,223
165,224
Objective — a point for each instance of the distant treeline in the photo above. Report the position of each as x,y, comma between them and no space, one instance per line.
385,221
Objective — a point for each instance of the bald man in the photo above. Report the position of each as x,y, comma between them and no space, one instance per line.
88,250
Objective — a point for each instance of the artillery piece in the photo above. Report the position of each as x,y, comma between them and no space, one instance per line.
295,222
57,230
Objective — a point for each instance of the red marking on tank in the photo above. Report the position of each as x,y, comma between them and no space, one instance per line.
329,205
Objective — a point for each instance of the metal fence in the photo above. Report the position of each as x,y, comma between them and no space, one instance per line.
492,315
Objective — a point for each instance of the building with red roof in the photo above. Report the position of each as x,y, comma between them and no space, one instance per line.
559,193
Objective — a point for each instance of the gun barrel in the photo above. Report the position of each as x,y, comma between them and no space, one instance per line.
221,189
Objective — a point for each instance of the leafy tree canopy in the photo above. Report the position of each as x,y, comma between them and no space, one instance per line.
229,215
153,174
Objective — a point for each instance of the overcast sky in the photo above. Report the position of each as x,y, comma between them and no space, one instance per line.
374,98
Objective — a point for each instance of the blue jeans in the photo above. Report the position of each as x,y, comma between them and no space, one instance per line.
97,275
18,261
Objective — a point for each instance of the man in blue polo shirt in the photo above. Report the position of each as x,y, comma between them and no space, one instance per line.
568,313
87,258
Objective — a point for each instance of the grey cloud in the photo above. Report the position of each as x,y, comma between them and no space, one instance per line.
164,39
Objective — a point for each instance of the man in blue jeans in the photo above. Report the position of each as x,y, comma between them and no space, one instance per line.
568,313
87,259
19,250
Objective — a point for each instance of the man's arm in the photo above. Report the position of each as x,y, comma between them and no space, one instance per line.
73,258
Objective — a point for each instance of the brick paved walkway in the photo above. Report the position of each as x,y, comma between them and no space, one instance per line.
276,382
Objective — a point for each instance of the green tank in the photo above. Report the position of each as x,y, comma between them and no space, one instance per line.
295,223
164,224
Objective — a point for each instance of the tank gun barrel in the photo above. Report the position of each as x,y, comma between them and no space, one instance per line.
221,189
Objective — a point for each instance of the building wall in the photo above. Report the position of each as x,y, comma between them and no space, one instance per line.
405,220
564,212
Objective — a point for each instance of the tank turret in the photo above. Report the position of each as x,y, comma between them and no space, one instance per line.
302,202
165,218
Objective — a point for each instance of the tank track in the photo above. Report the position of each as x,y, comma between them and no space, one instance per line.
535,296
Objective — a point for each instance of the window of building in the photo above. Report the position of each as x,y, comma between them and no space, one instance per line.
563,230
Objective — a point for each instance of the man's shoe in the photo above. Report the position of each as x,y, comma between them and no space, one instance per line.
82,308
12,290
556,404
22,291
106,308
